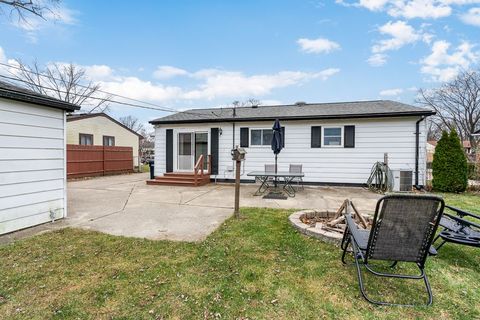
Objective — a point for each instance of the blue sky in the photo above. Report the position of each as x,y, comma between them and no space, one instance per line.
189,54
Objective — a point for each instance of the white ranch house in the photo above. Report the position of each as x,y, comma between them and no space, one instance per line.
33,177
337,143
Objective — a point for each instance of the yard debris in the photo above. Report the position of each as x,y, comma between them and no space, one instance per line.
335,222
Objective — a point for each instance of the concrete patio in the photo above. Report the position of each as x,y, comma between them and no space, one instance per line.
124,205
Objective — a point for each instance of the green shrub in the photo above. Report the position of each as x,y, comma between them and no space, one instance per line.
472,171
449,164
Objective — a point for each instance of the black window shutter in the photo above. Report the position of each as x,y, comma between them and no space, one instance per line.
214,149
316,137
169,145
244,137
283,136
349,137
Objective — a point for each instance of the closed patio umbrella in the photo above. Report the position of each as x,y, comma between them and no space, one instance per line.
277,143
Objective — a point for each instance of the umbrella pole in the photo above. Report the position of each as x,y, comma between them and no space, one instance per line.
275,171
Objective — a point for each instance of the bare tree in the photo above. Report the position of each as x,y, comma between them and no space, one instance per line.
247,103
147,145
64,82
457,104
434,129
23,8
134,124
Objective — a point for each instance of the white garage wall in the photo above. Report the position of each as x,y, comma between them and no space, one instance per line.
373,138
32,165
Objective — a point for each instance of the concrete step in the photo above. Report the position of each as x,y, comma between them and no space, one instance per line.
182,177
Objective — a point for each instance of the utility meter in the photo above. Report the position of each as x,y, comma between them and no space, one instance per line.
238,154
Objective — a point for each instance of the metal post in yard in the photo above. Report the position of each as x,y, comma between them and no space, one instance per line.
237,189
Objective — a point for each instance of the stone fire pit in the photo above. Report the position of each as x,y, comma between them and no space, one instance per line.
315,229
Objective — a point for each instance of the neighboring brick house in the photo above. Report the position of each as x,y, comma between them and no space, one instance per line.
100,129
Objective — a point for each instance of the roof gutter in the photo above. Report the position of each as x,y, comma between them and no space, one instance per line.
37,99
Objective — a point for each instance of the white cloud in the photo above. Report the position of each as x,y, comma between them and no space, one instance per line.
204,84
320,45
410,9
373,5
400,34
219,83
424,9
136,88
270,102
442,66
167,72
472,17
391,92
56,16
212,84
377,59
98,72
3,57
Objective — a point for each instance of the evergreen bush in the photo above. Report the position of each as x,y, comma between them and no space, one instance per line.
450,172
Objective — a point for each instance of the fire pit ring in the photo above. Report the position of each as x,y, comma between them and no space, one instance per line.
315,230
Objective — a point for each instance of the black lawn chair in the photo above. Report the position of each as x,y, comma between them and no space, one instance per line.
403,230
457,229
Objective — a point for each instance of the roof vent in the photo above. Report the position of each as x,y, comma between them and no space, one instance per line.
300,103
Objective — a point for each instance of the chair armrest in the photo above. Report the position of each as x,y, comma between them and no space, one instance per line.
462,213
462,221
360,236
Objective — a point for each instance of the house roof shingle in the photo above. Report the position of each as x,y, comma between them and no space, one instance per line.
13,92
337,110
75,117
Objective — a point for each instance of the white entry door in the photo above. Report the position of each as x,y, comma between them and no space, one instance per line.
185,151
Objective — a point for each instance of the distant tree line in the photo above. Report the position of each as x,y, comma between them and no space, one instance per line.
457,104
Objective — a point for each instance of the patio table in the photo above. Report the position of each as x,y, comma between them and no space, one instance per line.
285,177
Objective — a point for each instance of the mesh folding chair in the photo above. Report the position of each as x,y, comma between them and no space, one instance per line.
457,229
296,168
271,169
403,230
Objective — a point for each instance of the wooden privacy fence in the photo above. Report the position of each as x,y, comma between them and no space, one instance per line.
86,161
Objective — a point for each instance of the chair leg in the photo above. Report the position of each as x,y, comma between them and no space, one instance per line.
345,242
435,240
423,276
344,247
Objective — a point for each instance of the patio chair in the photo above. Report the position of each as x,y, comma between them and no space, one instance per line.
456,229
297,168
270,168
403,230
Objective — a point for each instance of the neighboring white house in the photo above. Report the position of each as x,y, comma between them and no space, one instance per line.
337,143
32,158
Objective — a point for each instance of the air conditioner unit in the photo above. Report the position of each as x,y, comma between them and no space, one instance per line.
402,180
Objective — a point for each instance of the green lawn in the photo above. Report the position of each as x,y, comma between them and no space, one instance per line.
258,267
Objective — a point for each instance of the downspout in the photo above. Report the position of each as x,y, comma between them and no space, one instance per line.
417,150
234,114
233,139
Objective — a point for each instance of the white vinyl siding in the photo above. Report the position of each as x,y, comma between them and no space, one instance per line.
373,138
32,165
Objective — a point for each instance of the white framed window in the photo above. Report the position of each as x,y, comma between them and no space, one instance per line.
332,136
261,137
